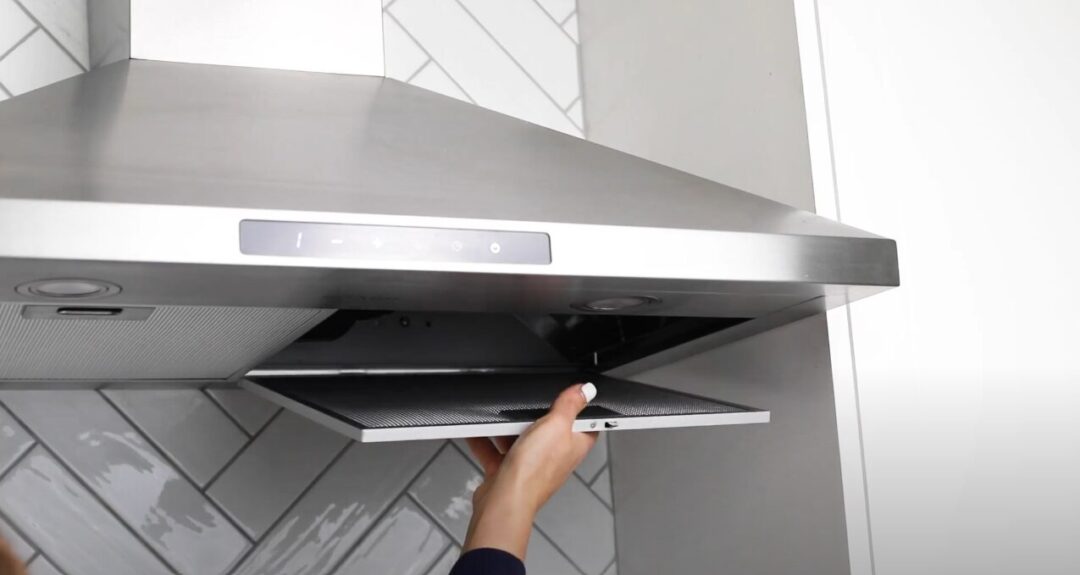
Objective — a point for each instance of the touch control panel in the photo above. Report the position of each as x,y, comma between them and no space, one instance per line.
392,243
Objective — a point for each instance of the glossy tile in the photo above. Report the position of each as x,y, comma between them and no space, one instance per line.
446,562
579,524
67,22
186,424
431,77
559,9
601,486
250,411
19,546
14,440
445,490
403,56
129,475
14,24
542,558
35,63
594,461
534,41
41,566
67,522
571,28
274,469
339,509
472,58
404,542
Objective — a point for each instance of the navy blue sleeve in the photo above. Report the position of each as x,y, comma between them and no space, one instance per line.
488,562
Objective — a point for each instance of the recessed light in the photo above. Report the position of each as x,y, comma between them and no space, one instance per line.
616,303
68,288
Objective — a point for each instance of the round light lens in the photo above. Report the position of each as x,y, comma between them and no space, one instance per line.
68,288
616,303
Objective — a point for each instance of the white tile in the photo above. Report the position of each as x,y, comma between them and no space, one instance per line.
68,524
14,24
577,115
594,461
446,562
542,558
534,41
559,9
571,27
186,424
403,56
35,63
3,95
67,22
130,476
404,542
14,440
445,489
476,62
272,472
580,525
22,549
41,566
431,77
249,410
601,486
613,570
337,511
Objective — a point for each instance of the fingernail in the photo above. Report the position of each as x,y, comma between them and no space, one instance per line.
589,391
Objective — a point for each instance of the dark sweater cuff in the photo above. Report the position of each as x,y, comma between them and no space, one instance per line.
488,562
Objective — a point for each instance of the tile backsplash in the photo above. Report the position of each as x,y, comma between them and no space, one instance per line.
218,481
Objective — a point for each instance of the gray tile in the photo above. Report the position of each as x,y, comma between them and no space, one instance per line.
132,477
543,558
601,486
580,525
339,509
67,21
22,549
186,424
250,411
35,63
14,24
403,56
274,469
404,542
14,440
445,489
68,524
446,562
41,566
595,460
613,570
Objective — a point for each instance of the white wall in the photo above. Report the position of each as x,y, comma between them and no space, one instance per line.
955,129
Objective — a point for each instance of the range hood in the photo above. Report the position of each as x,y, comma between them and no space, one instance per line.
186,224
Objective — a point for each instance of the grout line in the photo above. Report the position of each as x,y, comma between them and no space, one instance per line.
42,556
239,452
93,493
413,76
285,512
614,560
432,58
581,79
571,104
382,514
441,554
558,24
56,41
434,520
174,464
518,64
206,392
847,307
20,42
5,90
388,5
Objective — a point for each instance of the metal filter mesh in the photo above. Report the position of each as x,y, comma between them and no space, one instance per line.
427,400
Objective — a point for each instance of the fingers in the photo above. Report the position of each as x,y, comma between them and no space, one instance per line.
486,453
504,443
572,400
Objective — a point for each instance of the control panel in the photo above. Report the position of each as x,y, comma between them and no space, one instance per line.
393,243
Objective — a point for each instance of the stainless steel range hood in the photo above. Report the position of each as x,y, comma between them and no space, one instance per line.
183,223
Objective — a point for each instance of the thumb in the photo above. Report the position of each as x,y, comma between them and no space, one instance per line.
572,400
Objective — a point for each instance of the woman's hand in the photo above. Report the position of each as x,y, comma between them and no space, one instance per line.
521,474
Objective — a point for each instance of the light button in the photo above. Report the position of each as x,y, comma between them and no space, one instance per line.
495,247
